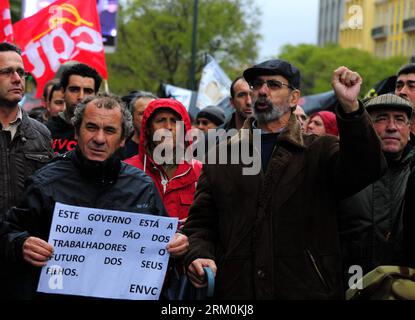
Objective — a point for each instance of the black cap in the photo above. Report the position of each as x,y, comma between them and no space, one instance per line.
274,67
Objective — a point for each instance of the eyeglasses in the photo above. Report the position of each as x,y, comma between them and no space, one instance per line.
399,121
271,84
9,71
410,84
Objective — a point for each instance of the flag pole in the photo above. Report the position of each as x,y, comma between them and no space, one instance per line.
106,87
192,80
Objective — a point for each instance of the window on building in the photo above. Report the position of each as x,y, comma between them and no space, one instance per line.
390,19
398,12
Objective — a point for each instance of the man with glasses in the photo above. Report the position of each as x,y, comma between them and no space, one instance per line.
25,144
372,222
405,87
274,235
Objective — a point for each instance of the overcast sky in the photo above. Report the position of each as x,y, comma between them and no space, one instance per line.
287,21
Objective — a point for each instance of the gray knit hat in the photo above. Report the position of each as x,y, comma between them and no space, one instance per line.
212,113
389,101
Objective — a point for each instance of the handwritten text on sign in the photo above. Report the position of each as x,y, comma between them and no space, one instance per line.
107,254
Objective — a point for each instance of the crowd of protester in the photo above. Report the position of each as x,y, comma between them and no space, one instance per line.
333,190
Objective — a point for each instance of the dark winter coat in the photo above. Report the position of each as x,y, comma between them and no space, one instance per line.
408,220
70,179
370,222
274,235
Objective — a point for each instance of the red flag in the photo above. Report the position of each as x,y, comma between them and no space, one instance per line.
6,30
63,31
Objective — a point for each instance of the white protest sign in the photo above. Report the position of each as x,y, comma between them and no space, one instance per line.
107,254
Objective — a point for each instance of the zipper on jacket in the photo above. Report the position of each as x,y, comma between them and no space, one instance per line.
317,270
181,175
5,176
165,180
9,181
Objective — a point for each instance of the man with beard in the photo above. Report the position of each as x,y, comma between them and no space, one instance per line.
78,82
273,235
160,138
164,125
25,144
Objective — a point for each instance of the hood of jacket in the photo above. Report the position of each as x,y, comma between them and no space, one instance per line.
143,150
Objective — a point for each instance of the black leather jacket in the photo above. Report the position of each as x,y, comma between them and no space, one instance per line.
73,180
21,157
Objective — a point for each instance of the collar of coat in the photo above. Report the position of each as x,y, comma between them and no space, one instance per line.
291,135
26,129
101,172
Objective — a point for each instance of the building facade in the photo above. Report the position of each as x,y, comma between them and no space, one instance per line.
330,17
394,28
356,25
385,28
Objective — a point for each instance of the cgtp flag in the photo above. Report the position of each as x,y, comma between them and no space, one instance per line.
6,30
63,31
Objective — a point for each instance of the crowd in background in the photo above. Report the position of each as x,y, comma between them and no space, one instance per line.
334,190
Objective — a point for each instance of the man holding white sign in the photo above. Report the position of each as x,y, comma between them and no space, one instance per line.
126,249
91,176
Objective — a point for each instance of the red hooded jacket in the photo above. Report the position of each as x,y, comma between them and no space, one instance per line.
178,192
